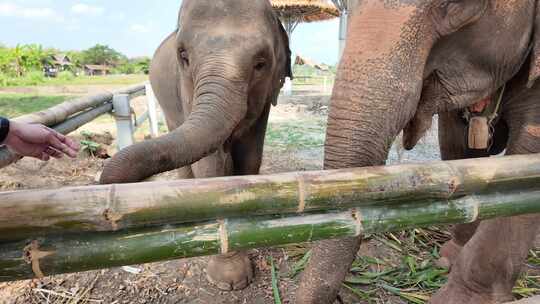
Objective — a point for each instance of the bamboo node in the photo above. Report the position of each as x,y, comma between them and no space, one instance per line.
223,236
112,217
357,216
475,209
32,255
453,186
301,194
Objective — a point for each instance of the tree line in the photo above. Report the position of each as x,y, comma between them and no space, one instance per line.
21,60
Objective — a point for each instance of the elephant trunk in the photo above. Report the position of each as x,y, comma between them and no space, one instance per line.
377,89
219,105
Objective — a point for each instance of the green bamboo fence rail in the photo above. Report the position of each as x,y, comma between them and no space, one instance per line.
38,257
31,214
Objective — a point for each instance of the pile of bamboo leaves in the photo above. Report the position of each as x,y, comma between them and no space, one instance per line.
49,232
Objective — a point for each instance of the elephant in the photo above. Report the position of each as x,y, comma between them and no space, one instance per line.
216,78
404,62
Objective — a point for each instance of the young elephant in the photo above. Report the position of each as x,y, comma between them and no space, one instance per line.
216,78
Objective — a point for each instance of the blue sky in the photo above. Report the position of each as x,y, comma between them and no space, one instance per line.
133,27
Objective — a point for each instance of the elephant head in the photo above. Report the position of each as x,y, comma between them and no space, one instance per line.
232,58
406,60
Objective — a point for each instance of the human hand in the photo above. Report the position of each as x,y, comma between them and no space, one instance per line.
39,141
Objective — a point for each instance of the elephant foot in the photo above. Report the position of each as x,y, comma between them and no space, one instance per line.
454,293
449,253
232,271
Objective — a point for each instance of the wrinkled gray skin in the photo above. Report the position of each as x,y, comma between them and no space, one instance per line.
406,60
216,78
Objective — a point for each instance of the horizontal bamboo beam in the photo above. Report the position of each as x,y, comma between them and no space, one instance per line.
81,119
60,113
115,207
43,256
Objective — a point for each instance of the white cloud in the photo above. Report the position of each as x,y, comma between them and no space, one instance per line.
139,28
8,9
85,9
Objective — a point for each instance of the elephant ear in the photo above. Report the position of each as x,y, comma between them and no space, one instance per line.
287,69
535,53
284,68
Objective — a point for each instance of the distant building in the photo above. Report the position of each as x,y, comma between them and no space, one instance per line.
56,64
96,70
306,61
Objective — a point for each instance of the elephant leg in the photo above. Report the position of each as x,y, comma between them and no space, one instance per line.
453,145
490,262
247,152
234,270
322,278
231,271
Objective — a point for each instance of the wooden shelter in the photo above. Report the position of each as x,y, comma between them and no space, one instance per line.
96,70
294,12
57,63
300,60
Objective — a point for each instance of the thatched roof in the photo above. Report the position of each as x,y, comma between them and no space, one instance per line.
96,67
306,61
305,10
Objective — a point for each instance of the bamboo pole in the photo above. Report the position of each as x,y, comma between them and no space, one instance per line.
60,113
115,207
43,256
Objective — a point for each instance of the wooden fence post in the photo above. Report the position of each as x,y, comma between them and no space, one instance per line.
152,110
124,126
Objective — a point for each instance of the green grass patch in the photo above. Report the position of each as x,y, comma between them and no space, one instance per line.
298,134
67,78
99,80
13,105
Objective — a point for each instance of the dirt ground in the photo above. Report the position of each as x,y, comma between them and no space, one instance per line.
183,281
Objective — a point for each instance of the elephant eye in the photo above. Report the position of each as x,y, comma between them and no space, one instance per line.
260,65
184,57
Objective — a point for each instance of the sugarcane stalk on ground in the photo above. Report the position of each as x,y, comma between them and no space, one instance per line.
38,257
30,214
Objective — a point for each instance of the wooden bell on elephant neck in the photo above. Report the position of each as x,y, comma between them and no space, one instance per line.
478,133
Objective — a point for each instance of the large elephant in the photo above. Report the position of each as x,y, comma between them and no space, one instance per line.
405,61
216,78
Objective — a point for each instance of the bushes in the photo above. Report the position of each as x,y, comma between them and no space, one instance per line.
34,78
65,76
30,79
3,80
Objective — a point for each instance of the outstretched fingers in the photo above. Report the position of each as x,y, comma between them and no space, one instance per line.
62,143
